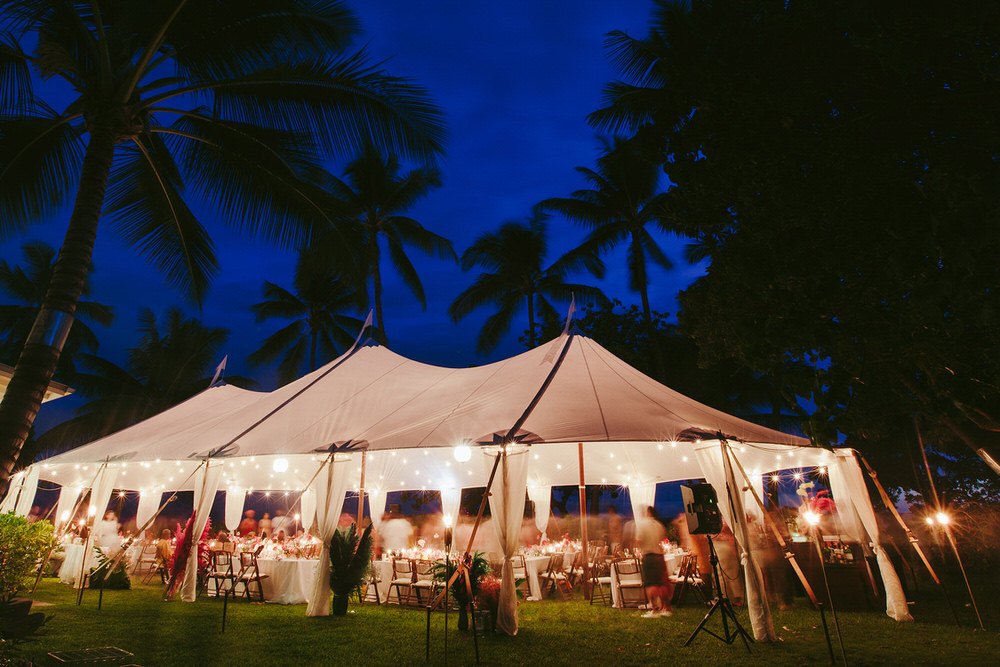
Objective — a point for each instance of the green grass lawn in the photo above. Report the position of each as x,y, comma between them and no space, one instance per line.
556,633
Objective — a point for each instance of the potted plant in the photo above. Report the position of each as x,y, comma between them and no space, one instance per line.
22,544
350,558
478,568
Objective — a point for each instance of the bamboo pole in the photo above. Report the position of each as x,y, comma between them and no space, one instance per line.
584,542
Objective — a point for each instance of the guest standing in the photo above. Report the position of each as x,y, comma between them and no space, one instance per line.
248,524
649,534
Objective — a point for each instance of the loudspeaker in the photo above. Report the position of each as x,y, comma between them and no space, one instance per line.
701,509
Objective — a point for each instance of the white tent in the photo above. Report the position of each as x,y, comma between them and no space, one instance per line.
410,417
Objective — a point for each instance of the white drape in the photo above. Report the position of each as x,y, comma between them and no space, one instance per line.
149,502
28,490
307,508
852,483
331,487
641,496
507,509
450,500
541,496
100,496
715,464
235,499
68,495
13,490
204,497
376,505
849,521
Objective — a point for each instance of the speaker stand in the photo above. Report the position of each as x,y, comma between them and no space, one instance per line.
722,605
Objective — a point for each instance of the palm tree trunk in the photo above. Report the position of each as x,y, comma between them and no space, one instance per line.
531,320
647,314
41,351
373,251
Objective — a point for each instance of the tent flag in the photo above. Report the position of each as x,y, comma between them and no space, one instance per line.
219,370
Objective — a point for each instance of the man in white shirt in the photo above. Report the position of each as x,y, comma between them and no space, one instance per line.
396,533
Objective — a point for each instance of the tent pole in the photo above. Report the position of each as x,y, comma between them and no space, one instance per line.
584,542
789,555
361,488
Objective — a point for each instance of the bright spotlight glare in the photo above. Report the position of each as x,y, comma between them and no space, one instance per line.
280,465
462,453
942,518
812,518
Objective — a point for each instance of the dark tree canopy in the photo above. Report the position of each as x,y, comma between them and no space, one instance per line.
838,163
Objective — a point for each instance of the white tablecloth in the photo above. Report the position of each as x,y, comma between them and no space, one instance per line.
289,581
672,561
536,566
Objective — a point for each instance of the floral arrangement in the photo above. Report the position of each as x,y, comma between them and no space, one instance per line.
178,561
488,596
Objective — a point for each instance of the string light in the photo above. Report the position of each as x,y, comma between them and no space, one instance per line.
775,478
942,518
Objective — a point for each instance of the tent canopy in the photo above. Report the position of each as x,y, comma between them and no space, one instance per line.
410,415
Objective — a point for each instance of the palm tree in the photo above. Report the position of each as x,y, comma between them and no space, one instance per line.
621,205
25,286
228,101
515,277
376,193
173,360
319,306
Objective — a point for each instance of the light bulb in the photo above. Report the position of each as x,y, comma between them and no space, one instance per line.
942,518
462,453
279,465
811,518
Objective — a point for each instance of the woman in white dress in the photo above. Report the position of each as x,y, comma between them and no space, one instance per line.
106,533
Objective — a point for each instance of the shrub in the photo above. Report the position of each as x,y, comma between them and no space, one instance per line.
21,545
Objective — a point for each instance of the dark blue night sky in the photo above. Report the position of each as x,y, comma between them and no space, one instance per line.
516,82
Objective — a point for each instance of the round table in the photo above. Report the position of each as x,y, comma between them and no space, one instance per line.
289,580
534,567
72,559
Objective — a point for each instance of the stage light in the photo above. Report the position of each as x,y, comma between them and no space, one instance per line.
462,453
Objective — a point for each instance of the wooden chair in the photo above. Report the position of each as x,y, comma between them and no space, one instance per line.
221,573
249,576
600,581
402,577
423,580
629,583
146,563
556,578
370,589
521,574
687,576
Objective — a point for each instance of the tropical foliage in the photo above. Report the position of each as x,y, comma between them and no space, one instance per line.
24,287
322,306
350,558
173,360
21,545
844,197
375,193
623,204
477,567
230,103
515,277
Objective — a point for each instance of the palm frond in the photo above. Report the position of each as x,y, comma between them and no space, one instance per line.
146,207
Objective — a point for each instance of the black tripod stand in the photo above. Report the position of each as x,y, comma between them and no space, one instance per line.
722,605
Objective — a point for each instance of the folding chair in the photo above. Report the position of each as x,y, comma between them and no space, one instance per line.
220,573
521,574
402,576
600,581
370,591
145,564
250,576
556,578
687,576
630,583
424,580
